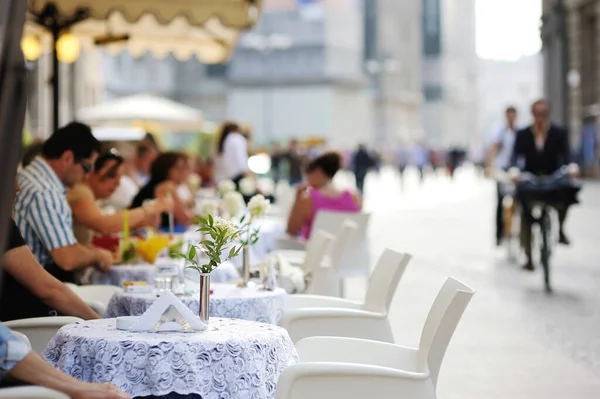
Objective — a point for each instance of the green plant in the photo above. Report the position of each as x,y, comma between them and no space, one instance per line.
219,237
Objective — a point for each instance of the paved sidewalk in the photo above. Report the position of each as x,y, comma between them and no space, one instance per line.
514,341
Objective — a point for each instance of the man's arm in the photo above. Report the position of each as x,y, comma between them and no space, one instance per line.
47,218
22,266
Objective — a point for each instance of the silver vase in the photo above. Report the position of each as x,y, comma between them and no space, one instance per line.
204,308
245,267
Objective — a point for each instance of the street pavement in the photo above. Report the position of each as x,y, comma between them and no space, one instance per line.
514,341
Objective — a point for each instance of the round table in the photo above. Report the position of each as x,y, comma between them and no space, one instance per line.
233,359
119,274
227,300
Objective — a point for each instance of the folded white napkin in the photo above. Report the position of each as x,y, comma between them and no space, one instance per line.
291,278
167,313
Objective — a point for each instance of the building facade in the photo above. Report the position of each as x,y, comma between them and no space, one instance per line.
449,73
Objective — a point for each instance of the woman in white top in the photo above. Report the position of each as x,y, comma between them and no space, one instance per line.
232,154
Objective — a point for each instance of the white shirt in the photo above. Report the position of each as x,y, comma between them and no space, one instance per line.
505,138
123,196
234,159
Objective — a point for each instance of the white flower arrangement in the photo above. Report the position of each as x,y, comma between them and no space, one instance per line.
247,186
194,181
226,186
208,207
221,235
257,207
233,203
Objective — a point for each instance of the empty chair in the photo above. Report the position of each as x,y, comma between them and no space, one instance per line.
31,393
96,296
355,261
354,368
292,278
40,330
314,315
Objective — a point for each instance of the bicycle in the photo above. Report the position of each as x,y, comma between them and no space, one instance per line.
537,195
511,216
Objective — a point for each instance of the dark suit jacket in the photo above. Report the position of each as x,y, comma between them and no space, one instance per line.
556,151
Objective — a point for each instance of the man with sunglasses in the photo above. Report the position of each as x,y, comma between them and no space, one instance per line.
41,208
541,149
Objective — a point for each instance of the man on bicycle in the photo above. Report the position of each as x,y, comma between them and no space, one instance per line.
541,149
498,157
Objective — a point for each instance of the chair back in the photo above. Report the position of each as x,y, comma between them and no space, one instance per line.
316,250
444,316
40,330
384,280
96,296
342,241
356,260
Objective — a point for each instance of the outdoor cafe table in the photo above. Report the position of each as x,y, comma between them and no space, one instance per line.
119,274
235,359
227,300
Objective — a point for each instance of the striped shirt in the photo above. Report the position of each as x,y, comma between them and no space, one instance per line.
42,211
12,350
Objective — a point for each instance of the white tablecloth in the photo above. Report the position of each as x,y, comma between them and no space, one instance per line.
119,274
227,300
233,359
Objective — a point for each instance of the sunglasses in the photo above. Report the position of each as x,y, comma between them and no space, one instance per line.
87,167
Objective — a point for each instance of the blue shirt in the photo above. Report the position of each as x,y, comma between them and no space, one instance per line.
42,211
12,350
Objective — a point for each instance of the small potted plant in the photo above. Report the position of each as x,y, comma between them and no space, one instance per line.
218,245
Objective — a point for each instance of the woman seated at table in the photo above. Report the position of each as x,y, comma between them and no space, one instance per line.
167,173
99,184
28,290
319,193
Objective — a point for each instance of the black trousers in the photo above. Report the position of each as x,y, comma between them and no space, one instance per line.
499,213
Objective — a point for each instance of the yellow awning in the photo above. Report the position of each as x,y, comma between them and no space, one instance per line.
207,29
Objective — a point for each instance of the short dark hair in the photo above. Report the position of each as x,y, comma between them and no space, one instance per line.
75,137
159,171
511,109
226,129
329,163
31,151
105,157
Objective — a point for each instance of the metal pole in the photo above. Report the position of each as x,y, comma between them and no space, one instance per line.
13,101
55,81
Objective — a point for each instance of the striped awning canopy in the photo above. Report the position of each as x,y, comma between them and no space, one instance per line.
207,29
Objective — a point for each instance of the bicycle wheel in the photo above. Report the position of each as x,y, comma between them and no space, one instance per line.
511,228
545,250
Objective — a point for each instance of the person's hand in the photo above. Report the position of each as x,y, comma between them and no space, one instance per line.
488,171
514,174
105,260
573,170
301,188
162,205
98,391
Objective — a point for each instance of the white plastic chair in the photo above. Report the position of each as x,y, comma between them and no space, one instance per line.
31,393
355,368
40,330
96,296
328,281
313,264
355,260
313,315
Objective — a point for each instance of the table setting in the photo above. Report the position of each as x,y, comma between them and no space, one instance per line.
190,340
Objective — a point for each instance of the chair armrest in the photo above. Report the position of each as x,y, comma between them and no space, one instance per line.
289,243
31,393
351,381
97,306
57,321
360,351
299,301
336,322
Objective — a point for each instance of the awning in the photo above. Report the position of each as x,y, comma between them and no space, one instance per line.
144,109
207,29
